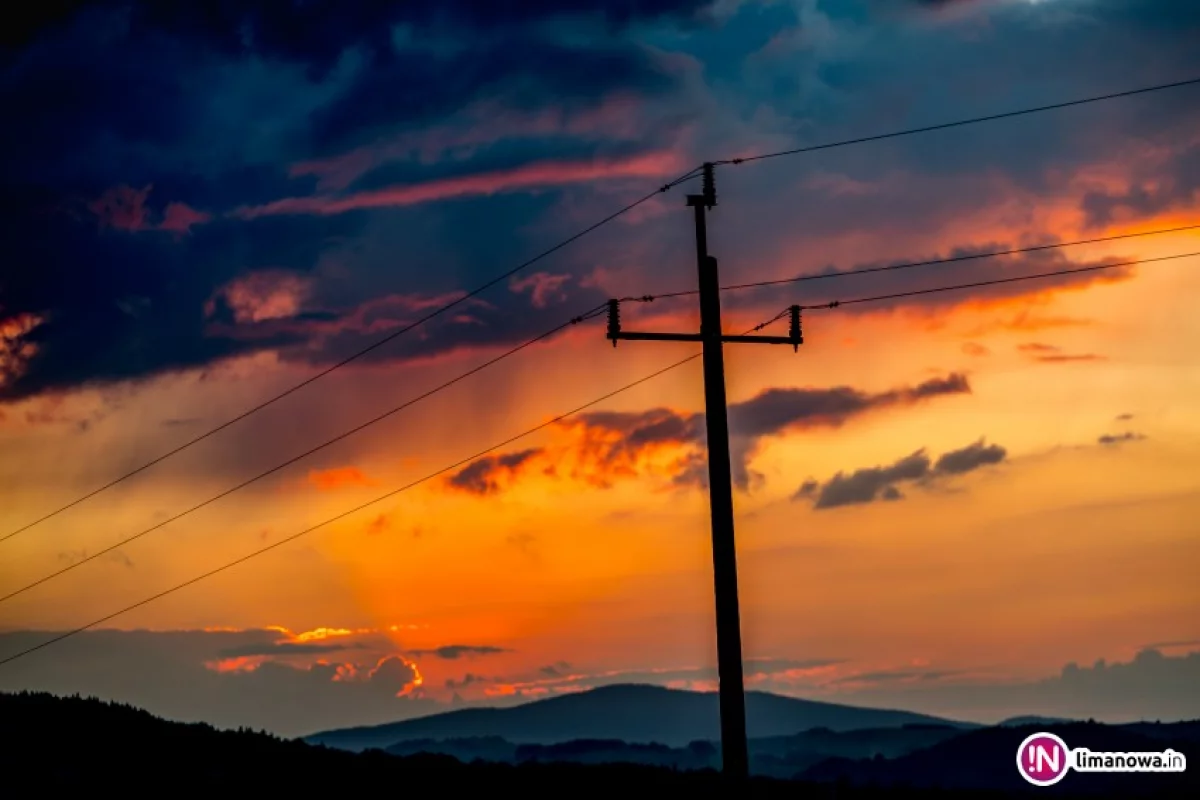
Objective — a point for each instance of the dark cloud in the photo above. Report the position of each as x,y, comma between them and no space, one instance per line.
870,484
1110,439
185,675
1151,686
483,477
896,676
139,125
317,32
285,649
120,169
612,442
1051,354
844,285
969,458
1170,185
470,679
452,652
864,485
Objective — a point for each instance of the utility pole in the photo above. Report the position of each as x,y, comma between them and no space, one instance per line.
735,757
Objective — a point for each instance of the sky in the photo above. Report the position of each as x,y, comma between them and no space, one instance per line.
977,503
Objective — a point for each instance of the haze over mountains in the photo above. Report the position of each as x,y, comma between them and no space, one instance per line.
72,744
630,713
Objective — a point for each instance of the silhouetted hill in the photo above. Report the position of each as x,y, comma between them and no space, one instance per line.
986,758
53,746
630,713
1033,719
776,756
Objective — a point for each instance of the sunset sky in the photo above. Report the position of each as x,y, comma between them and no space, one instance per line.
944,502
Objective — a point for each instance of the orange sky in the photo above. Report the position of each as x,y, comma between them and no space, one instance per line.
575,554
998,569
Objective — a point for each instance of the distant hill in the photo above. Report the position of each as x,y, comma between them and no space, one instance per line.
985,759
1033,719
59,746
776,756
631,713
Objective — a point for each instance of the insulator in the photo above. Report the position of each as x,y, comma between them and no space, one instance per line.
614,320
710,186
794,333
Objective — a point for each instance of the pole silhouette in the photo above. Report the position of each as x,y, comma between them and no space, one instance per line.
735,757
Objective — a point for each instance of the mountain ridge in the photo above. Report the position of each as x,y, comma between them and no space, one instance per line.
634,713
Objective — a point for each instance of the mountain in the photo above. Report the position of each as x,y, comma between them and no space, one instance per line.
58,746
630,713
775,756
1033,719
985,759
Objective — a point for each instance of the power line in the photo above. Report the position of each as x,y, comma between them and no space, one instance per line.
913,264
494,447
961,122
343,515
355,356
344,435
996,281
666,187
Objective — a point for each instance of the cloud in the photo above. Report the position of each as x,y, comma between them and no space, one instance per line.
453,652
969,458
602,447
870,484
544,174
541,286
562,677
267,678
487,475
864,485
1051,354
283,649
1124,417
1170,183
975,349
1151,686
113,556
1110,439
339,478
124,208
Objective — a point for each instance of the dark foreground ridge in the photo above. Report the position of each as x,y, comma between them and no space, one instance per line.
83,744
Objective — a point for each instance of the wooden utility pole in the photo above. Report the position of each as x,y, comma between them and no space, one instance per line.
735,758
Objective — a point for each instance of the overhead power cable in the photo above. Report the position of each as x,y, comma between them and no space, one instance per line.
311,451
353,357
343,515
961,123
818,276
666,187
997,281
463,462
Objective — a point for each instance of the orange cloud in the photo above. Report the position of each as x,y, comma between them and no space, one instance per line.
338,478
604,446
260,296
1050,354
124,208
15,352
542,174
